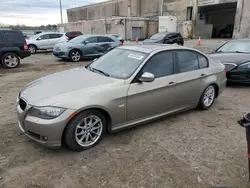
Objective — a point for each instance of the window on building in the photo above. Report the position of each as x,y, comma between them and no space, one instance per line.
189,13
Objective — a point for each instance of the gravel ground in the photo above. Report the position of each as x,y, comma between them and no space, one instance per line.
190,150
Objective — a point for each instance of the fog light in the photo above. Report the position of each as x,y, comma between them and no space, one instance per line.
45,138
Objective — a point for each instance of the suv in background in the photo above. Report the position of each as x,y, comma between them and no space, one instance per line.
44,41
13,47
166,38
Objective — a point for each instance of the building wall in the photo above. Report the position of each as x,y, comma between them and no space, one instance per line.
242,19
113,26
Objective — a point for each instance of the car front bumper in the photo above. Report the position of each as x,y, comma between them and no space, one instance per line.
46,132
60,54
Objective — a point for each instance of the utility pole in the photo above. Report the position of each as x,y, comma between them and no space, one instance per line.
61,11
161,7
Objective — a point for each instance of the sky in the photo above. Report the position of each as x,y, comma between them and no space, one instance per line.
37,12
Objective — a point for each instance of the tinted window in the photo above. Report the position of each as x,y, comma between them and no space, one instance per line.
92,39
159,36
44,37
202,61
188,61
54,36
161,64
105,39
12,37
1,40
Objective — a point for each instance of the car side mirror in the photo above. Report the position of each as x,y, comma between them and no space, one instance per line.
86,42
38,38
147,77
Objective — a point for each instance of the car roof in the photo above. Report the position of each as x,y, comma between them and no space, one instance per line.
149,48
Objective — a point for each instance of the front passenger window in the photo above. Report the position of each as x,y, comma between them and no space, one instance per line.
161,64
44,37
92,40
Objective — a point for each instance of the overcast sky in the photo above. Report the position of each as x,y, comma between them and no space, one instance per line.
36,12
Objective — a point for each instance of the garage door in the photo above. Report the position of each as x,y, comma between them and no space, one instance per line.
136,32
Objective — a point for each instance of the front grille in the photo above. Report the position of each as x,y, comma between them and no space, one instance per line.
230,66
22,104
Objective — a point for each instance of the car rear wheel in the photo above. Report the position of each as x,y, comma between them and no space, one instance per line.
32,48
75,55
85,130
10,60
207,98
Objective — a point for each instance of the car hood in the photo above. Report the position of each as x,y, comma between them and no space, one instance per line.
51,89
152,41
237,58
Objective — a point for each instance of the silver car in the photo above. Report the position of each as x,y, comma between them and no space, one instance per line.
128,86
44,41
85,46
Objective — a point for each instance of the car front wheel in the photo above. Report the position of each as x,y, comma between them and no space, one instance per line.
85,130
75,55
208,97
32,48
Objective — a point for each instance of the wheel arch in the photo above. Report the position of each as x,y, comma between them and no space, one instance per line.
33,45
100,109
217,89
77,49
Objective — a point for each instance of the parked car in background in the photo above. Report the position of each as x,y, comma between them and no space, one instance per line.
166,38
85,46
227,32
71,34
235,55
13,47
127,86
118,37
44,41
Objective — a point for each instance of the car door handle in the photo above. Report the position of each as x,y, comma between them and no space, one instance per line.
172,83
203,75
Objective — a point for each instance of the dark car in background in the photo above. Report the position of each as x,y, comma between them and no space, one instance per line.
85,46
13,47
166,38
235,55
72,34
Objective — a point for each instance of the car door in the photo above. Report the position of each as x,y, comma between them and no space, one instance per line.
2,45
54,39
189,77
43,41
105,43
147,99
91,47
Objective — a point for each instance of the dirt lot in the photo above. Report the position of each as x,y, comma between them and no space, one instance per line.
193,149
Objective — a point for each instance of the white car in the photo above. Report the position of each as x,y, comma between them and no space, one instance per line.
44,41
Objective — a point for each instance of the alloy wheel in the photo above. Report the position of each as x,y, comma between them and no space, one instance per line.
32,49
88,131
209,95
75,56
11,61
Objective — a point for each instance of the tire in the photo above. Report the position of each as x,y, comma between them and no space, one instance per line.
75,55
32,48
10,60
207,98
77,135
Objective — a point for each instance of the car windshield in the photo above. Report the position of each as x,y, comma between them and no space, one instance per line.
78,40
118,63
236,46
158,36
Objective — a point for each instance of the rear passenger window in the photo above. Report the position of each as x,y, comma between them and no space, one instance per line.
188,61
12,37
160,64
202,61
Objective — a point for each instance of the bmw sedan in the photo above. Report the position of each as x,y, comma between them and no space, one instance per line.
235,55
128,86
85,46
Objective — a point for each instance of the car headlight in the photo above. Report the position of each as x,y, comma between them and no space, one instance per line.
244,66
47,112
